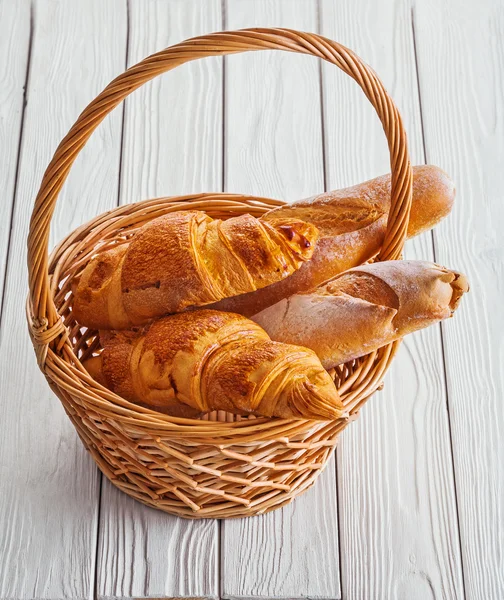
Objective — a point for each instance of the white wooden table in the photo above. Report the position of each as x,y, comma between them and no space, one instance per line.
413,505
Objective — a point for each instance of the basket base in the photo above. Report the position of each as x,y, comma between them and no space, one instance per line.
222,510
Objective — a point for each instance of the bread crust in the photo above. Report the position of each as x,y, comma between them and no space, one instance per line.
365,308
187,259
195,362
352,224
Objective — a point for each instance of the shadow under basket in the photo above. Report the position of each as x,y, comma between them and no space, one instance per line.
219,466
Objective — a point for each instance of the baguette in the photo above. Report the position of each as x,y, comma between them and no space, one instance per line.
365,308
195,362
184,259
351,224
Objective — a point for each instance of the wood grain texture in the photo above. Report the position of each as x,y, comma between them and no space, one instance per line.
398,513
398,522
173,125
272,121
463,116
273,147
172,145
146,553
15,29
49,495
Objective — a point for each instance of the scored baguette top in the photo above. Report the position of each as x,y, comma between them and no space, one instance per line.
365,308
187,259
352,223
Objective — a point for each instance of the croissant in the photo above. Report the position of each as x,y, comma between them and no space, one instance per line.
195,362
187,258
351,224
365,308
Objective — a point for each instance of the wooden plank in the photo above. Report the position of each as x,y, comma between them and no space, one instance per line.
15,32
274,148
49,499
173,126
172,145
460,60
398,523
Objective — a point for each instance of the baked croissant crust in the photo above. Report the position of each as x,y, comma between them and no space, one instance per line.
195,362
187,259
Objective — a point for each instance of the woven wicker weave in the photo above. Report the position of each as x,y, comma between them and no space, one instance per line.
219,466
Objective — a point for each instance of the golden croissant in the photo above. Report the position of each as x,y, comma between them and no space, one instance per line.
196,362
187,259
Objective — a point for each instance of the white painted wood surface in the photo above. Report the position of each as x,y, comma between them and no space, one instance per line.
172,145
395,474
273,147
49,484
462,102
15,29
420,476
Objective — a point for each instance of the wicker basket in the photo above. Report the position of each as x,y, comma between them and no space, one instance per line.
219,466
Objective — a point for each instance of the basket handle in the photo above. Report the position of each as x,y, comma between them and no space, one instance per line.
45,321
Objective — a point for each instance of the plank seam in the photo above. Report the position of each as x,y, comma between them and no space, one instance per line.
223,158
338,516
322,103
18,159
95,579
326,186
220,529
443,353
126,61
118,200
